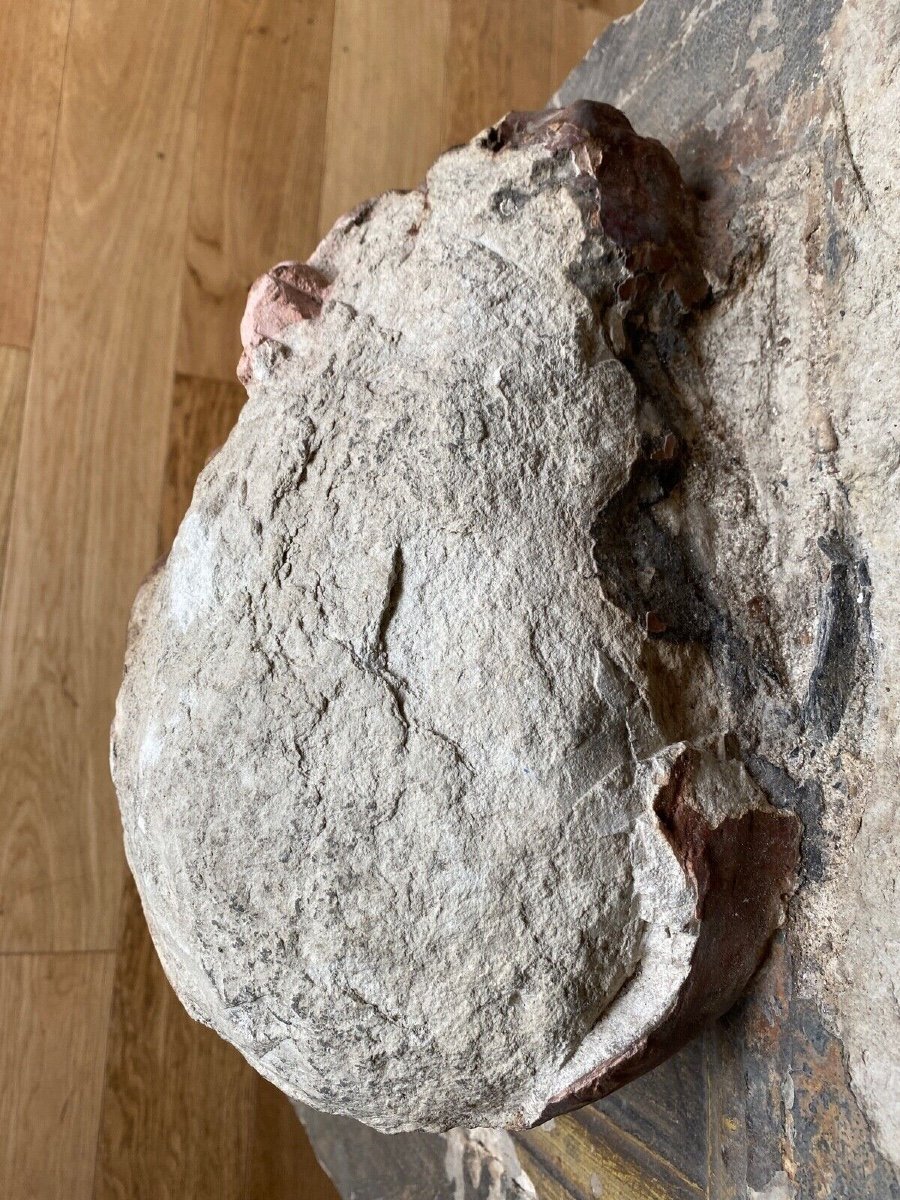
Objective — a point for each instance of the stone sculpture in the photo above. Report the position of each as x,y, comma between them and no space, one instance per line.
428,780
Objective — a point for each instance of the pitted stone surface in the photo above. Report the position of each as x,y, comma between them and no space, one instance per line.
405,829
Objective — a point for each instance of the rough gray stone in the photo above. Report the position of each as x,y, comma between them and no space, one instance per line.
785,119
463,1164
406,824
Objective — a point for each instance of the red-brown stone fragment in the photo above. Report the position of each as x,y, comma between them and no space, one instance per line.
641,200
742,870
291,291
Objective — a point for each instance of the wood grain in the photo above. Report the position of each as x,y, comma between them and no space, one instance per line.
53,1016
385,99
84,518
13,380
546,1183
282,1163
203,413
255,195
726,1115
667,1110
178,1101
589,1156
33,41
499,58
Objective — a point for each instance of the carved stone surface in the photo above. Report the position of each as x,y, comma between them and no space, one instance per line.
411,825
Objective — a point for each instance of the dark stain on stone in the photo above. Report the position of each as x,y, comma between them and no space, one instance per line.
708,56
360,214
790,1063
838,252
834,1150
642,568
508,201
805,799
844,617
798,35
740,870
629,189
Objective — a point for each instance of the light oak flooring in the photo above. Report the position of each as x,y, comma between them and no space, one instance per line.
154,158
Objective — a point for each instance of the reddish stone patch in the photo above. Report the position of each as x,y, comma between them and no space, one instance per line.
291,291
741,871
642,203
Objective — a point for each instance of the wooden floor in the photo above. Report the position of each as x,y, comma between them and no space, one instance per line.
155,157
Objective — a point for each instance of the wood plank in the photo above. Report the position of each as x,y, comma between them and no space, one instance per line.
577,25
282,1163
177,1101
13,380
255,195
33,37
385,99
203,412
84,519
726,1114
548,1184
53,1013
500,58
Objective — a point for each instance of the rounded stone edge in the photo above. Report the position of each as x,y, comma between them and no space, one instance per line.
630,188
742,872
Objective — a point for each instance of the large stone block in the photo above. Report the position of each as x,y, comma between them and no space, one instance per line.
415,821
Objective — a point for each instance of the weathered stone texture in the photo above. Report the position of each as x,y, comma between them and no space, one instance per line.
782,541
415,824
785,120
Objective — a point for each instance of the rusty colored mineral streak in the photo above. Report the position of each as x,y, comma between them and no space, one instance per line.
290,291
642,202
741,872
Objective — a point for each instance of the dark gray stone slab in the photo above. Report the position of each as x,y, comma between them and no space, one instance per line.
783,118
